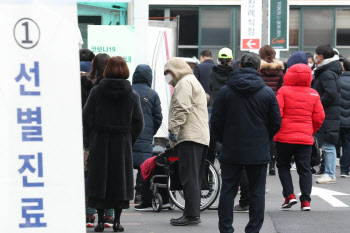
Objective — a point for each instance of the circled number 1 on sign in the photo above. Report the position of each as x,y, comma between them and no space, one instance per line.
26,33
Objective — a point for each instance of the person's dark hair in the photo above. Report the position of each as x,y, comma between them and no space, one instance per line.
309,55
98,66
206,53
346,65
86,55
325,50
116,69
225,61
251,60
267,53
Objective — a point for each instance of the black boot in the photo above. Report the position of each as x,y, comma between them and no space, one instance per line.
117,227
100,227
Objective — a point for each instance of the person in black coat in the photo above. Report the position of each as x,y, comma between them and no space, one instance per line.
152,113
245,118
327,84
202,71
345,120
113,120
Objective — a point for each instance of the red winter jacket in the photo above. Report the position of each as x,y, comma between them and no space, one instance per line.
300,106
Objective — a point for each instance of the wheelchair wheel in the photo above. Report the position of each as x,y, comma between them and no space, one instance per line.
215,205
172,205
208,197
157,202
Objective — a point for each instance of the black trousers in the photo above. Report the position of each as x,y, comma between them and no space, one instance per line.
302,157
244,184
192,158
231,175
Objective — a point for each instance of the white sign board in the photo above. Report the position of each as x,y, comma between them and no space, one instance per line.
251,24
120,40
41,175
114,41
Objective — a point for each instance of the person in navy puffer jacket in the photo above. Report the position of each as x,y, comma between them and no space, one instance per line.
152,113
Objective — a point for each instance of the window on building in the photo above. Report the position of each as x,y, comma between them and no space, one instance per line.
294,20
83,22
188,36
216,29
343,27
156,13
294,27
318,27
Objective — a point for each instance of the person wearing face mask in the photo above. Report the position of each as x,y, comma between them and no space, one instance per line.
327,85
188,134
311,62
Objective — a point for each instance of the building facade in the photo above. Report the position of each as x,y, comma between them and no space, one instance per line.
216,23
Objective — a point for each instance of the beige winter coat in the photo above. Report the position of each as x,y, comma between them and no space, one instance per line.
188,114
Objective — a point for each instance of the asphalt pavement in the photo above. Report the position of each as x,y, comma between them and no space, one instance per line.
330,213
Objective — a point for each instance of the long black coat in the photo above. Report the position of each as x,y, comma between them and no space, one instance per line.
113,120
202,72
327,85
152,113
245,117
345,100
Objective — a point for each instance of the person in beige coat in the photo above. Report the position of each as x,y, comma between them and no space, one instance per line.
189,133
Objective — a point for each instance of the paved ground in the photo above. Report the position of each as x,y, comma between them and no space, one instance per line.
323,217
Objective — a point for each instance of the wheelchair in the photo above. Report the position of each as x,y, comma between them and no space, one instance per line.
166,177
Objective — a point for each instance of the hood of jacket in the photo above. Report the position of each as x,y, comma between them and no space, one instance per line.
179,67
221,73
298,75
275,65
245,81
334,66
114,88
143,74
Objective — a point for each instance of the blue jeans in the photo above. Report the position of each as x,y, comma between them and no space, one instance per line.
345,159
329,155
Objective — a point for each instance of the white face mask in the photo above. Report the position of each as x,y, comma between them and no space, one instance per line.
168,78
311,65
316,61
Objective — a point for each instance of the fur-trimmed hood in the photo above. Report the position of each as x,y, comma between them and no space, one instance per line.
275,65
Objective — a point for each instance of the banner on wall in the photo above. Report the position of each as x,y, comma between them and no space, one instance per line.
42,174
279,24
251,24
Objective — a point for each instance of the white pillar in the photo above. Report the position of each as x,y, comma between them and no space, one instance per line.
141,15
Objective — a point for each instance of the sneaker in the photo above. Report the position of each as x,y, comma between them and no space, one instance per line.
326,179
305,206
137,199
289,202
90,223
319,173
241,209
272,172
294,167
144,207
109,222
345,175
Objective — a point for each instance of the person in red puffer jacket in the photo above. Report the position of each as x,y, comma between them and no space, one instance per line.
302,115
